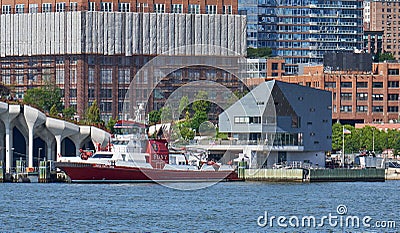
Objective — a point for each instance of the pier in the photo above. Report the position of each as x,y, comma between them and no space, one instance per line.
313,175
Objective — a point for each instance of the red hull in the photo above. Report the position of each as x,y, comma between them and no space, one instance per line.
79,172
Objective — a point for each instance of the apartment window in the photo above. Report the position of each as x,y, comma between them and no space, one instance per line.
176,8
362,96
73,6
227,9
106,93
33,8
124,7
345,108
330,85
106,6
393,84
92,6
393,97
72,93
393,109
274,66
362,84
46,7
60,7
393,71
106,76
211,9
346,84
194,9
91,76
362,108
124,76
60,74
241,120
377,108
6,9
159,8
345,96
377,97
377,84
19,8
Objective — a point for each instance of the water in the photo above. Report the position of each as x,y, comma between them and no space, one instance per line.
224,207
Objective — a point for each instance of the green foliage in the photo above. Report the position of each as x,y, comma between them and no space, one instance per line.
110,125
367,138
386,57
44,97
166,114
92,115
68,113
154,117
201,104
53,111
259,52
197,119
220,135
183,105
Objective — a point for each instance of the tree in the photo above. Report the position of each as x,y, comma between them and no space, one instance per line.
386,57
44,97
259,52
92,115
183,105
201,104
53,111
197,119
110,125
68,113
154,117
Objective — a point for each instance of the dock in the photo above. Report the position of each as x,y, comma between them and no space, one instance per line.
313,175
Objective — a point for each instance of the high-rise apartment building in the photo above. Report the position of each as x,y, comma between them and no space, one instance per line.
385,17
303,31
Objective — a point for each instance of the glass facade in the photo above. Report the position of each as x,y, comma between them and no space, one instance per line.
301,31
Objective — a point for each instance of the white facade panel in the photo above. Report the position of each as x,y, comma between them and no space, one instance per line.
153,33
146,33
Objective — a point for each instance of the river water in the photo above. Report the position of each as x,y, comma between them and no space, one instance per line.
224,207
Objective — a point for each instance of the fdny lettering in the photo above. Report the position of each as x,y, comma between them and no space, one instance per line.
160,157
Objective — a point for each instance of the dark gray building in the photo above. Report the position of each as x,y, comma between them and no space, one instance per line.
278,122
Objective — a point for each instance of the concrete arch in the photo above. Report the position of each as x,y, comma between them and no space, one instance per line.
68,147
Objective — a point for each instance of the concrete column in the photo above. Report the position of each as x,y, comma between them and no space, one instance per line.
9,152
58,145
30,146
48,151
2,148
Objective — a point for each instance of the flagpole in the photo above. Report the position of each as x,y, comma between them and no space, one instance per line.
343,145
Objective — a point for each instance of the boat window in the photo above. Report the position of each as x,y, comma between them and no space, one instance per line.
102,156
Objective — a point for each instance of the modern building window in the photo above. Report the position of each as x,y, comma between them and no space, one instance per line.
92,6
362,96
274,66
60,6
377,108
124,7
393,84
124,76
393,71
393,97
346,96
211,9
176,8
106,6
345,108
73,6
377,97
377,84
46,7
6,9
33,8
247,120
330,84
19,9
159,8
346,85
393,109
194,9
227,9
362,84
362,108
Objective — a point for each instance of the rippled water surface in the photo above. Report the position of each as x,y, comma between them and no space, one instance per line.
224,207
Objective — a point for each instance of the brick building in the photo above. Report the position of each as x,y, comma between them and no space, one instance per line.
357,97
93,50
